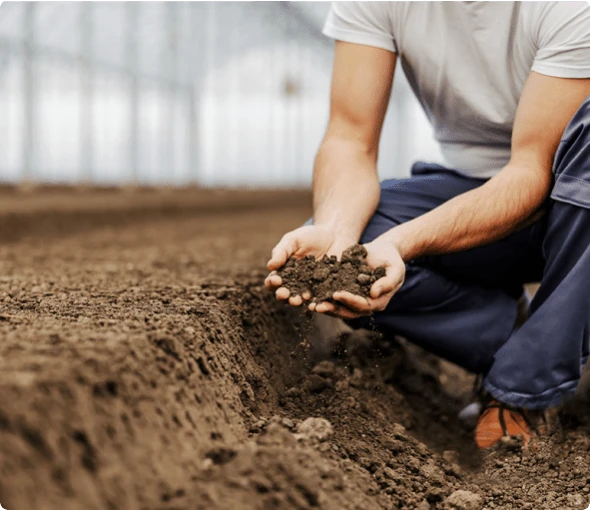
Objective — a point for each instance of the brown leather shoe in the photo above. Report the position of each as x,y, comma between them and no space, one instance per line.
499,420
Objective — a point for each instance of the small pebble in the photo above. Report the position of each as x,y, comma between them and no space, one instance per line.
464,500
316,428
287,422
363,278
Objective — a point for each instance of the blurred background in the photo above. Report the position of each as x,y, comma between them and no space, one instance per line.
229,94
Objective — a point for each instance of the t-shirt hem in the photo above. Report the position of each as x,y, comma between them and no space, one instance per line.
349,36
560,71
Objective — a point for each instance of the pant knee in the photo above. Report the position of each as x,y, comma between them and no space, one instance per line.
572,161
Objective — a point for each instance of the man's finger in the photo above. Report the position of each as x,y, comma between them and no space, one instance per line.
391,282
344,313
335,310
295,301
324,307
281,253
306,296
273,281
381,303
356,303
382,286
283,293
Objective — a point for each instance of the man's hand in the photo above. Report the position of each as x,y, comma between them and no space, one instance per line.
380,252
316,240
345,180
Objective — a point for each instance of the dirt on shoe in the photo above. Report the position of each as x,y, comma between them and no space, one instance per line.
322,277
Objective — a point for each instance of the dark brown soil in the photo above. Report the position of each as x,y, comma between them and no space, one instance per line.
321,278
144,366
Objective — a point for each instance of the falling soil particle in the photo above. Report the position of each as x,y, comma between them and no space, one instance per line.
321,278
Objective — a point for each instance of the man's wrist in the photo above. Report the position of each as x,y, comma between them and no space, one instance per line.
343,235
402,242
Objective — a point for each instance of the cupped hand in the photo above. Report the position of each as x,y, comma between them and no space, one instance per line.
350,306
316,240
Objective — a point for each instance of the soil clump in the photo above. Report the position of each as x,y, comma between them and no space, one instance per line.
322,277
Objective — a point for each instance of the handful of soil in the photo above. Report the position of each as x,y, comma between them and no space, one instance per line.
321,278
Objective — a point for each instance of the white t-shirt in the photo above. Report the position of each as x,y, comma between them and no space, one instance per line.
467,62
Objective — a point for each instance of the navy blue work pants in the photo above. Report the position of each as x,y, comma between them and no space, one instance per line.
463,306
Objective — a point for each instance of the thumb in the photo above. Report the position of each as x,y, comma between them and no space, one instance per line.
391,282
281,252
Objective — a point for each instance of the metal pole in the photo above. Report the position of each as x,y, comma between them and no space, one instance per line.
86,107
193,136
272,96
298,135
193,96
211,55
29,94
170,71
233,96
302,135
132,55
289,86
278,138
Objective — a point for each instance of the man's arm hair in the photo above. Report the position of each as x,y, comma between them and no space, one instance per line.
346,186
508,199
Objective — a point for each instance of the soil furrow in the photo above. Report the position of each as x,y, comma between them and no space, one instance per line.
144,366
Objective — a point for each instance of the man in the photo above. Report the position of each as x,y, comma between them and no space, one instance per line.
507,88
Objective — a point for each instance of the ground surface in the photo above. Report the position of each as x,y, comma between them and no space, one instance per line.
143,366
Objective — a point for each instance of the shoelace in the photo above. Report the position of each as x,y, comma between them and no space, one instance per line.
524,413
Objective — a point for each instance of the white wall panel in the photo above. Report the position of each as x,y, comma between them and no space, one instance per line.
111,129
57,127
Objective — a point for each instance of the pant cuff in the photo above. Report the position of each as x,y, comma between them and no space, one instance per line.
554,397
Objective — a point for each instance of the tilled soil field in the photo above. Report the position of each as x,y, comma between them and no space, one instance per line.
144,366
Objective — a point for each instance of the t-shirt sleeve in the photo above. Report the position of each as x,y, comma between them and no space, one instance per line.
563,39
365,23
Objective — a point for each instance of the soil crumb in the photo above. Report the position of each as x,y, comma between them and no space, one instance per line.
322,277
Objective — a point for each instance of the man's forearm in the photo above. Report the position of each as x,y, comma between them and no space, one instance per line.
345,187
475,218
